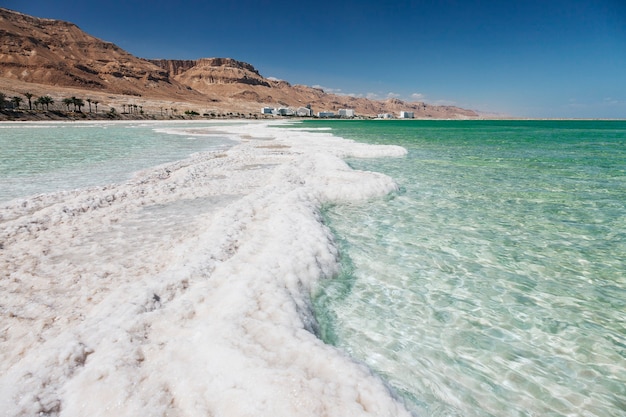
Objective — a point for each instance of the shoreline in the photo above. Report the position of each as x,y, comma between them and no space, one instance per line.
57,115
187,290
63,116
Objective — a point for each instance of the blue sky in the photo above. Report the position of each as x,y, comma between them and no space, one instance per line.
550,58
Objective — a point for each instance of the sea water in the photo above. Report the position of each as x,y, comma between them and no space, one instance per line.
494,282
43,157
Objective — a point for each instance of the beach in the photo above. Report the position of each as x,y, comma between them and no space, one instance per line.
186,290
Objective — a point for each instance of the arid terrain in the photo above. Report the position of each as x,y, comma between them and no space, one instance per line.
45,57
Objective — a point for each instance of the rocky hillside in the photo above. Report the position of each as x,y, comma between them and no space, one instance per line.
58,53
36,54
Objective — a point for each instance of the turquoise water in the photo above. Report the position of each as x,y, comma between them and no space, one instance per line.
46,157
494,282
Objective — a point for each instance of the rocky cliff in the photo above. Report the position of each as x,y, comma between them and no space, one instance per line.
207,71
54,52
47,52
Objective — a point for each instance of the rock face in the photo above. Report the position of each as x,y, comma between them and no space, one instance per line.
204,72
213,70
56,53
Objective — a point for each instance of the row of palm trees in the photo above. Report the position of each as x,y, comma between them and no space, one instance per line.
70,103
46,101
76,104
17,100
132,108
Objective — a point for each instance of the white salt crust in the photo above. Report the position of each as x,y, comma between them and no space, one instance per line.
186,292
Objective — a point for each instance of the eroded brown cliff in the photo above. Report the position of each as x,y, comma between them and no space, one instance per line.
54,52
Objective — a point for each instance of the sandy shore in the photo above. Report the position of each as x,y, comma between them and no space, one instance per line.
186,291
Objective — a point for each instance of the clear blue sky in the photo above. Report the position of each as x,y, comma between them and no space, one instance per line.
548,58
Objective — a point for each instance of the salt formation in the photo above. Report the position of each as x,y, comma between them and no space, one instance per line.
186,292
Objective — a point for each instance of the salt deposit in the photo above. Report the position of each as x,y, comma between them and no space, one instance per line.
186,291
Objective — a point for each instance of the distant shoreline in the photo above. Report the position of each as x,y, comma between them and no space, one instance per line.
58,115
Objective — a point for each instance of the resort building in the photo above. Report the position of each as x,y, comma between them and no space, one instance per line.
407,115
304,112
284,111
287,111
346,112
325,114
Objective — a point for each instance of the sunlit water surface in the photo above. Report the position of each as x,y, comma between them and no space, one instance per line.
45,157
494,283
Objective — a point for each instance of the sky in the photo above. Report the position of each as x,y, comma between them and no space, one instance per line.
539,59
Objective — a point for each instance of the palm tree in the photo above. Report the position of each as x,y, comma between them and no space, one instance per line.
96,104
67,102
2,100
29,96
47,101
16,101
78,103
123,108
89,101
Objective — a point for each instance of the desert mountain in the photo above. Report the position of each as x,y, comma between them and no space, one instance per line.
53,52
48,56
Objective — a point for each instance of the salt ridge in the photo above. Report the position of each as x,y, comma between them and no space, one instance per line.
187,290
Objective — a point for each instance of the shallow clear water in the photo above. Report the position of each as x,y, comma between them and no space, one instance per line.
46,157
494,283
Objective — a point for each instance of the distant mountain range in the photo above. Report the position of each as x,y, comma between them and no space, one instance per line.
53,57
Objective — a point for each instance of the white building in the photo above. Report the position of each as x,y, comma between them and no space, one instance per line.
385,116
325,114
267,110
407,115
346,112
304,112
284,111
